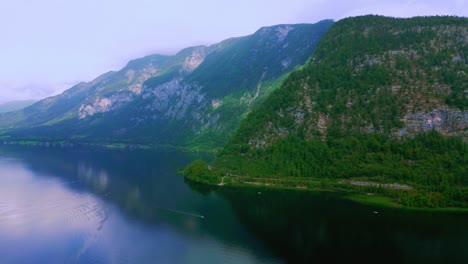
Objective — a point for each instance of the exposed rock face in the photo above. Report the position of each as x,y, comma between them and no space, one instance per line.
119,90
282,32
381,77
109,92
216,103
449,122
132,84
197,103
177,101
194,60
201,92
171,100
136,79
101,105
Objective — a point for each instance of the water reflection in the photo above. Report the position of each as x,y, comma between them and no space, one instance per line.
113,207
118,207
302,228
97,179
37,210
45,204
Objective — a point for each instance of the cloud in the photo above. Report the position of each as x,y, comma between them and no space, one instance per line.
10,92
48,43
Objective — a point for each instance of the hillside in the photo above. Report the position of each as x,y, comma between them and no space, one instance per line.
193,100
15,105
382,101
105,93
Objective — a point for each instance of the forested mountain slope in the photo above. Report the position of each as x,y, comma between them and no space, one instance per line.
383,99
194,99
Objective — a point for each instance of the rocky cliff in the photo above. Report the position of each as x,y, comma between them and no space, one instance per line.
374,75
383,103
194,99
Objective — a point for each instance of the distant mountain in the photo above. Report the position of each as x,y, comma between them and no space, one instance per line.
106,93
382,99
15,105
194,99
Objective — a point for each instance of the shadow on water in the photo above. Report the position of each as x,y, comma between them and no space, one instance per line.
145,187
304,227
291,226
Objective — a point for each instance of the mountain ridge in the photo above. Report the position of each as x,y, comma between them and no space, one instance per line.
186,94
382,101
11,106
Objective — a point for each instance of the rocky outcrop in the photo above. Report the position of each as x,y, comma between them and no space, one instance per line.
199,93
101,105
194,60
130,84
450,122
374,75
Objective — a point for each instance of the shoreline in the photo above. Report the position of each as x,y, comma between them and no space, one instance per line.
104,145
347,192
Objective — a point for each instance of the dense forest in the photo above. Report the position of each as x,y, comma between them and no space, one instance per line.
352,113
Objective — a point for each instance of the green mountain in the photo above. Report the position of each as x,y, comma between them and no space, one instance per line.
108,92
381,107
194,99
15,105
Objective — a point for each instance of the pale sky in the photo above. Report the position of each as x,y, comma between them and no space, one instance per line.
47,46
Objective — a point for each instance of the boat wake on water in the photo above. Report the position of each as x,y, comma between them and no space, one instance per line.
180,212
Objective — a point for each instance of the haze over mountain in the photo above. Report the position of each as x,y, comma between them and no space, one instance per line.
15,105
49,47
193,99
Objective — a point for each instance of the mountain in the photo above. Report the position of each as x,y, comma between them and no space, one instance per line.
108,92
194,99
382,101
15,105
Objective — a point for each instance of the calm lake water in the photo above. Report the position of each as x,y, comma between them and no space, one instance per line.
96,206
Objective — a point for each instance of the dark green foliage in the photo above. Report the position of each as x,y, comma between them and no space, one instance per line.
199,171
365,76
431,48
431,163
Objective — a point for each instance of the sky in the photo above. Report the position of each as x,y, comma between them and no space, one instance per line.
48,46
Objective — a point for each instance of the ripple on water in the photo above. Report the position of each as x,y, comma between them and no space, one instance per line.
42,212
46,218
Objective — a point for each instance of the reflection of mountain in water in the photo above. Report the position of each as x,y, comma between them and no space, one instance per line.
144,185
130,179
304,227
294,226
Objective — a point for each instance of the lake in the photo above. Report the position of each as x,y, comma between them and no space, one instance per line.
100,206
